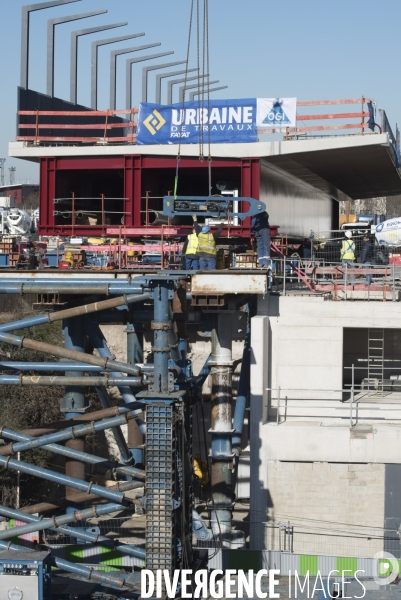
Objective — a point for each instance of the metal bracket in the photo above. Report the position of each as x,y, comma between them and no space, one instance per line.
210,206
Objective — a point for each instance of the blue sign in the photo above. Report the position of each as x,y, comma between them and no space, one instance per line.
229,121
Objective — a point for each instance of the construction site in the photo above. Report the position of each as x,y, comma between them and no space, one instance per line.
243,415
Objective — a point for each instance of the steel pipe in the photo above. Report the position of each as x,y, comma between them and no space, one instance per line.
221,428
242,395
24,342
40,380
41,507
84,572
125,454
48,366
75,454
79,484
74,312
98,415
67,434
161,326
99,341
56,524
36,524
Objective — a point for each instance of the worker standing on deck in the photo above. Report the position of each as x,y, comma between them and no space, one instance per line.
207,244
348,248
190,250
366,257
348,252
260,229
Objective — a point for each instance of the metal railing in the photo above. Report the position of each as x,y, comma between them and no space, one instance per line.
105,126
352,403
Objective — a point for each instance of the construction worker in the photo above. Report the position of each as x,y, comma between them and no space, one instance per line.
348,252
207,244
348,248
260,229
190,251
366,257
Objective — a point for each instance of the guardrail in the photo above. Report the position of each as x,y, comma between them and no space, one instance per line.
103,127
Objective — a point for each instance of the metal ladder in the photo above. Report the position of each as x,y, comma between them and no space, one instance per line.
376,355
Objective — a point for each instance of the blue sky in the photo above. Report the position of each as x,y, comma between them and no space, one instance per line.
311,49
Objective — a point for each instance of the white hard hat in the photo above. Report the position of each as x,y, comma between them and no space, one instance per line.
348,234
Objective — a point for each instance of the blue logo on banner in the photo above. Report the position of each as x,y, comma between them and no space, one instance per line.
276,115
227,121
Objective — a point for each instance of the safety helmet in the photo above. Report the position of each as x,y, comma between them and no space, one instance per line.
205,229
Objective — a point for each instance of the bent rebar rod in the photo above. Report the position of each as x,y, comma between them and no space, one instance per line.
56,524
105,363
73,312
74,454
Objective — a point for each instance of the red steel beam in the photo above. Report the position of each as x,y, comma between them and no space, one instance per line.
136,247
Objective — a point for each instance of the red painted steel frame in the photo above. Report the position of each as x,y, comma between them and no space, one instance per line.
133,167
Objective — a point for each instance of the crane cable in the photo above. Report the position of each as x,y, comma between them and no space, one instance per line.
201,86
183,97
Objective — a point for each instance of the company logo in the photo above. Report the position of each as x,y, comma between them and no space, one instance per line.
276,115
388,568
154,122
379,227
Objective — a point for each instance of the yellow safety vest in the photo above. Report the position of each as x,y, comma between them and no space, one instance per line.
207,243
348,250
192,247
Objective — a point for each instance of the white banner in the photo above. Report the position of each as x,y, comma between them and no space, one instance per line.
274,113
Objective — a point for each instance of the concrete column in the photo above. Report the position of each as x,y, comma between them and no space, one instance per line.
260,365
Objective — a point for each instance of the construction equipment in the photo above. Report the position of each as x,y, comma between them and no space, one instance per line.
211,206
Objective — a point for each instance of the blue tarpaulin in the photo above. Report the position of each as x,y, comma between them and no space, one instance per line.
229,121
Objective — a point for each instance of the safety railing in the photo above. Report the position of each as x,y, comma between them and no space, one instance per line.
68,122
314,536
351,404
365,118
94,211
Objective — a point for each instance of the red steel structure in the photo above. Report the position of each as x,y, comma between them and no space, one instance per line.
137,174
128,180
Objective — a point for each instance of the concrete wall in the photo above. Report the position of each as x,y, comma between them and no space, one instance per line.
297,345
294,205
329,505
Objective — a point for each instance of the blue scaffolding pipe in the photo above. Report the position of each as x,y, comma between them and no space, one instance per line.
105,363
56,524
243,389
125,454
50,380
74,482
85,572
37,524
75,454
161,326
48,366
60,436
73,312
99,342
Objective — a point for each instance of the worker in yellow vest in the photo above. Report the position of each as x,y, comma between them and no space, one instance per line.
348,253
348,248
207,244
190,251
